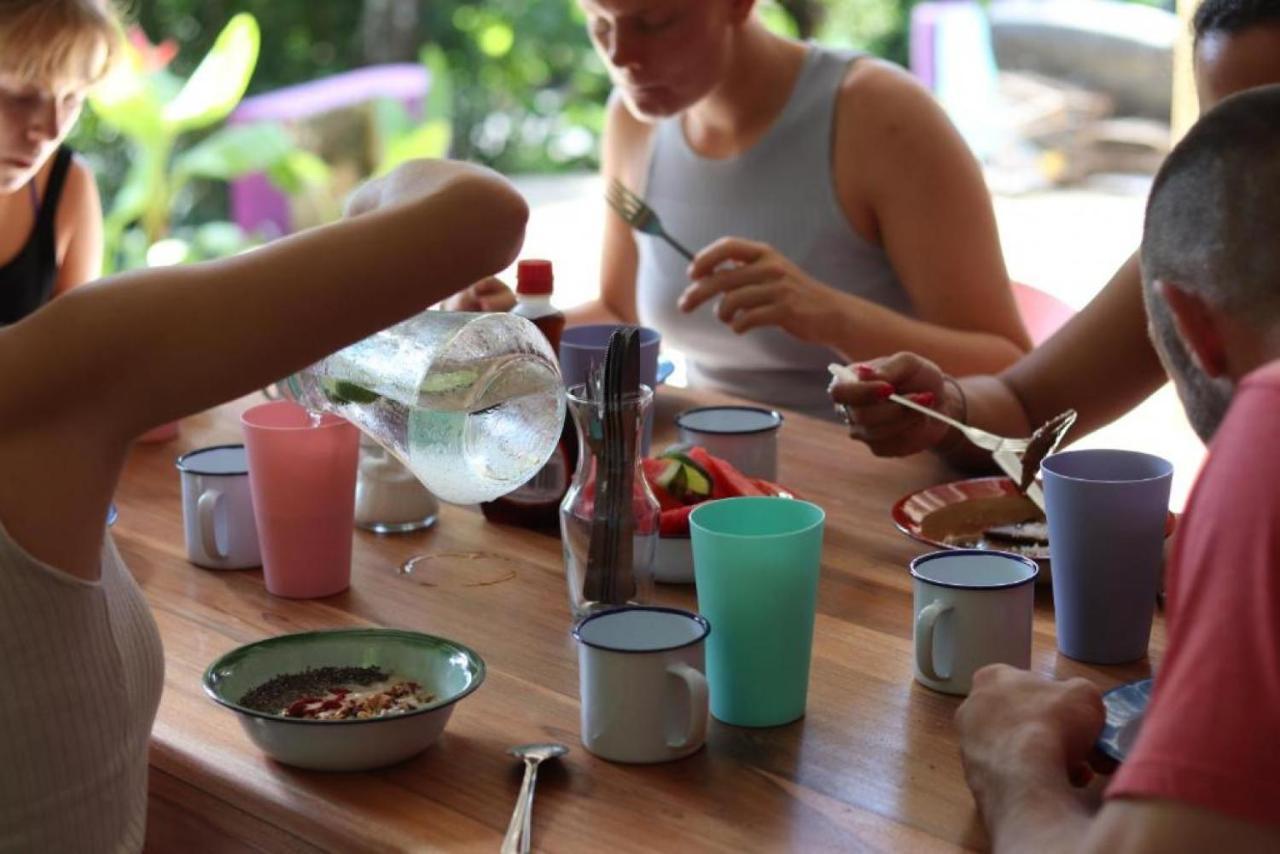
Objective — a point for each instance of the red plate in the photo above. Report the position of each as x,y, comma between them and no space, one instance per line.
911,511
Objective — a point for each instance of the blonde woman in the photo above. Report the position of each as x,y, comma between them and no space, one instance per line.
51,53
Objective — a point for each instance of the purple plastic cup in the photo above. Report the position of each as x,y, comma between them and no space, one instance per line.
1107,512
584,347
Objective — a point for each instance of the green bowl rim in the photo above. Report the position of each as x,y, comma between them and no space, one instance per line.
208,678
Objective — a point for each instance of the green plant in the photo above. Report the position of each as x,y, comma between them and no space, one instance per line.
153,110
398,137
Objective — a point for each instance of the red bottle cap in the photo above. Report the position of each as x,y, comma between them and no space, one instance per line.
534,278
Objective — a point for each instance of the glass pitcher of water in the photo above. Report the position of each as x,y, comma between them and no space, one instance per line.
472,404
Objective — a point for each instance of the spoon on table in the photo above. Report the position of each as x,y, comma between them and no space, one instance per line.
520,830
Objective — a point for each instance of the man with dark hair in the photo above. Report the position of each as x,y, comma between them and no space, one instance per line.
1205,771
1233,16
1100,363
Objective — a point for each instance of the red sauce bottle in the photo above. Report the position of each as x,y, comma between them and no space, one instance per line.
537,503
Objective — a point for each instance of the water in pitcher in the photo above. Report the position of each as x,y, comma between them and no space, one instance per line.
471,403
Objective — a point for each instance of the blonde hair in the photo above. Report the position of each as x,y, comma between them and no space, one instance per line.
59,41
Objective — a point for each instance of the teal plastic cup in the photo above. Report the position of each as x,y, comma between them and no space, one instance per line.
756,561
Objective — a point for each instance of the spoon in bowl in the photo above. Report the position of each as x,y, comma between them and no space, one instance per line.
520,830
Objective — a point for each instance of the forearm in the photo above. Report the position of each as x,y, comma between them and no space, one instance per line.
595,311
284,305
860,329
1040,818
985,402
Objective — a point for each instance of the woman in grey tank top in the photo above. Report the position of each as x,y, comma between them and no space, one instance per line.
834,211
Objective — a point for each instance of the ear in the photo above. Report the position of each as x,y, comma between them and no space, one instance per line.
1198,326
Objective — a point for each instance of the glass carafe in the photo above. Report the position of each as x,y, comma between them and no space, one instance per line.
472,404
577,512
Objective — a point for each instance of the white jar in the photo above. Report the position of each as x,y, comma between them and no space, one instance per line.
389,499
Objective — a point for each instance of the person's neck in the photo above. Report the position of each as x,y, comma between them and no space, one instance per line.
752,93
1249,348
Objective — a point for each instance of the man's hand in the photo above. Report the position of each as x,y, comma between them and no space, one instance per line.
888,429
758,286
1024,735
489,294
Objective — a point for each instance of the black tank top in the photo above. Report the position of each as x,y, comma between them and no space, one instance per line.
26,282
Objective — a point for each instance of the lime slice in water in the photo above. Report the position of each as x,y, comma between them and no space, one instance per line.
341,391
446,381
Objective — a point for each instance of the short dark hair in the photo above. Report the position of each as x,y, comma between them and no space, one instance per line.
1232,16
1213,217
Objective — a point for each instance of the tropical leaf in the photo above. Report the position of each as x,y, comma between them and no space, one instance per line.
219,239
219,82
440,92
130,100
431,140
390,119
297,171
141,186
234,151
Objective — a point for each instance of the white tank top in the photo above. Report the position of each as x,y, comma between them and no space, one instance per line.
780,191
81,670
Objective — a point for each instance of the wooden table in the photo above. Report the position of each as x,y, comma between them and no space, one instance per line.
873,765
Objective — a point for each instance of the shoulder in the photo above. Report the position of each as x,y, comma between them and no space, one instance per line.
891,134
880,96
81,187
1233,515
79,198
1241,444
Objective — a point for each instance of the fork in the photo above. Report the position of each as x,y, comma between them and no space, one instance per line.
981,438
639,215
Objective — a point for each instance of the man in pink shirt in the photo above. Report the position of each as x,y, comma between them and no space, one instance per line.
1204,773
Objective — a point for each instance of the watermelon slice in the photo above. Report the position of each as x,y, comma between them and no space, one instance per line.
684,478
729,482
675,522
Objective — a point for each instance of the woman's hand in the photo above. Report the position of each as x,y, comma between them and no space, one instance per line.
489,294
759,286
888,429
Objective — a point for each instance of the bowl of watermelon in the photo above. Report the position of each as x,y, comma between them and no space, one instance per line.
681,479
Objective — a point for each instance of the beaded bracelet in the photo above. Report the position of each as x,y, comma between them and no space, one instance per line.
964,400
954,438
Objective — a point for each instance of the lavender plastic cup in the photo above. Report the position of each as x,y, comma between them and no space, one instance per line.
584,347
1107,512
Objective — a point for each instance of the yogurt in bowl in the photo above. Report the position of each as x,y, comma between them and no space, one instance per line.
430,674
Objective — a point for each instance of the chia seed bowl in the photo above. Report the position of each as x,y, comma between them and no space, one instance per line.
446,669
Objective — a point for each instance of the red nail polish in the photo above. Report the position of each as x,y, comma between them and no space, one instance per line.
924,398
885,390
865,372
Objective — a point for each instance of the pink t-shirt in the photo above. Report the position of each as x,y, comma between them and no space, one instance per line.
1211,737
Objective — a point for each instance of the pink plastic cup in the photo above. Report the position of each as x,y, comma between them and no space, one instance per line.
303,479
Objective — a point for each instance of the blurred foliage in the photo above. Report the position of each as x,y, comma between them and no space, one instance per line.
152,108
527,91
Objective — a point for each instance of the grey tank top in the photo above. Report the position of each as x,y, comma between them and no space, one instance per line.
82,673
782,192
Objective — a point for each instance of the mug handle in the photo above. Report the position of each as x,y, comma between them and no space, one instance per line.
696,684
206,507
925,623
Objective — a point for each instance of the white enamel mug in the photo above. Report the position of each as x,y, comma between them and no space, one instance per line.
973,607
217,508
641,676
745,436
